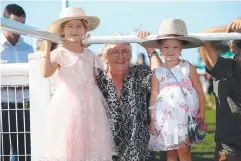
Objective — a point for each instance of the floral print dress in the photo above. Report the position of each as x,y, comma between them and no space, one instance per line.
171,110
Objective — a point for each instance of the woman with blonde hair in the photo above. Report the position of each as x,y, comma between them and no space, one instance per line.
126,89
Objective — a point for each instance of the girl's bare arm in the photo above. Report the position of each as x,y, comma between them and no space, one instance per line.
198,87
47,66
154,92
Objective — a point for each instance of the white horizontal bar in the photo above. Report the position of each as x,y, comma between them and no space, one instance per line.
135,39
7,24
217,36
17,27
25,132
14,80
14,69
15,74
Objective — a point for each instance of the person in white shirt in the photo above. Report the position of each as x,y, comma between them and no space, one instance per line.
15,117
13,48
17,53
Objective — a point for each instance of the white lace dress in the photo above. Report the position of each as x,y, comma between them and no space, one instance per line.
171,110
76,124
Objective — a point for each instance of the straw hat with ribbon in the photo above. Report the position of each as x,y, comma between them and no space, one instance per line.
173,29
72,14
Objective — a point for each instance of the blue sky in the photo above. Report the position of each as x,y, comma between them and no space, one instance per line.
123,16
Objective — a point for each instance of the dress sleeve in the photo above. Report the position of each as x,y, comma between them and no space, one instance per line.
62,57
159,73
55,56
98,63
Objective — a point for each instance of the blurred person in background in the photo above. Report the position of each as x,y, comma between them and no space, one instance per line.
13,48
15,115
226,75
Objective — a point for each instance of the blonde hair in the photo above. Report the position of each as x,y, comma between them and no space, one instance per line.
107,47
105,52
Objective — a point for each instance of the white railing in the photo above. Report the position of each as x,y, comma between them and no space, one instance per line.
28,74
14,74
14,88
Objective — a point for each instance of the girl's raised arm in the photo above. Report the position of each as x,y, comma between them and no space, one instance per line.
48,67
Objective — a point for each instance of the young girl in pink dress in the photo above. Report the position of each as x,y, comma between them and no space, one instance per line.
176,92
76,123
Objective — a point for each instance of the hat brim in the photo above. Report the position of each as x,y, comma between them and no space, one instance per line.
192,42
92,23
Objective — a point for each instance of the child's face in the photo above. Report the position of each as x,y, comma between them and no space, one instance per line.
171,50
74,30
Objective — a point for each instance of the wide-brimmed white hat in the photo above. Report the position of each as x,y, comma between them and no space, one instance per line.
173,29
72,14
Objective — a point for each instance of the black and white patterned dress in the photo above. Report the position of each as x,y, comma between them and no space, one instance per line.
129,112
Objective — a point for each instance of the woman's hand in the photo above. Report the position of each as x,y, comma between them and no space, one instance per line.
143,34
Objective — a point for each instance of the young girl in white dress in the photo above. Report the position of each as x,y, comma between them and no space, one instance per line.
176,92
76,124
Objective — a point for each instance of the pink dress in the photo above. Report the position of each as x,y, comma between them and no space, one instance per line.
171,110
77,128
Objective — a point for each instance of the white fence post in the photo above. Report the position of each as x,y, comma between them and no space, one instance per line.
12,75
39,97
